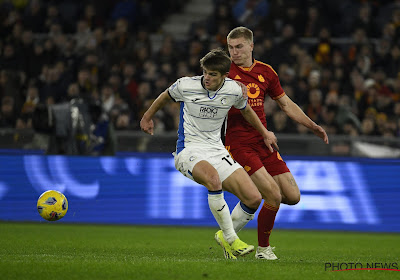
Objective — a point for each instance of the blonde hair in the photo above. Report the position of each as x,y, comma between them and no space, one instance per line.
241,32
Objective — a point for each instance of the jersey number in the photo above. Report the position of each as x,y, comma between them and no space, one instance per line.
228,161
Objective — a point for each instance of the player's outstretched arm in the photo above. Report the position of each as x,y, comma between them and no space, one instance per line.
270,139
146,123
295,113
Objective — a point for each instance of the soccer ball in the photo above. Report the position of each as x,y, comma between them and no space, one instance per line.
52,205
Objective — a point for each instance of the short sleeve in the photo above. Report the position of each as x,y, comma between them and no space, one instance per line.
275,90
174,91
241,101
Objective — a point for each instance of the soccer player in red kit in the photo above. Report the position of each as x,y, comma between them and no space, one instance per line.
267,169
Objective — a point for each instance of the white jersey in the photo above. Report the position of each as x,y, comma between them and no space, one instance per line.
203,112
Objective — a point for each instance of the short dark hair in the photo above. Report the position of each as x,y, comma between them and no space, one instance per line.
216,60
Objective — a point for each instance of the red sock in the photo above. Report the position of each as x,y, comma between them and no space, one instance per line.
265,221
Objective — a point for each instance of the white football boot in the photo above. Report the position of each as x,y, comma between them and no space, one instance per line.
265,253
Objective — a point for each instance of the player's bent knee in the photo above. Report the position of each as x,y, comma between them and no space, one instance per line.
276,194
254,202
213,183
272,193
292,200
277,197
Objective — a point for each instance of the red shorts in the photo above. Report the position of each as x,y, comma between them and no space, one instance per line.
254,156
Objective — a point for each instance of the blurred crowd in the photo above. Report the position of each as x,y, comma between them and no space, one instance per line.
338,60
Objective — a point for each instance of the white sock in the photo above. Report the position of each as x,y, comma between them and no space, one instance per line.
220,210
240,218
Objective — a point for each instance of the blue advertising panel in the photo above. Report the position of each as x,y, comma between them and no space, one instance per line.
145,189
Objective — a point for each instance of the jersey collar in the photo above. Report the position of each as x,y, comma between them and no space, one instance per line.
213,93
248,69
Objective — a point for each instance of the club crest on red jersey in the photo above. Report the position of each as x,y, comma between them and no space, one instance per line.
253,90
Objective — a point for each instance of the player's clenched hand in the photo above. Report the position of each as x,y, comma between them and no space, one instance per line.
147,125
321,133
271,141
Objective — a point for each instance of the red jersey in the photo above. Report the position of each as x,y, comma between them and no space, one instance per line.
261,80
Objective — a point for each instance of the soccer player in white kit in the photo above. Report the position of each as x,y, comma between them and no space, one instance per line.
200,154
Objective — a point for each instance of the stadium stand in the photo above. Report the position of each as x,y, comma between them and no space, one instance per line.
339,61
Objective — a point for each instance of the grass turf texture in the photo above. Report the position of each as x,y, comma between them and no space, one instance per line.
69,251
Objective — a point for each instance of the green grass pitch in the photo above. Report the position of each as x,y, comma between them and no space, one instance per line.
76,251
